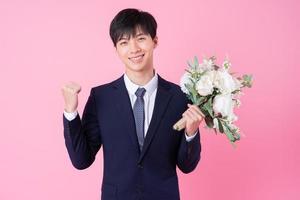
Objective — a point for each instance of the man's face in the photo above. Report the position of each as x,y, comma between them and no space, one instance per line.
136,52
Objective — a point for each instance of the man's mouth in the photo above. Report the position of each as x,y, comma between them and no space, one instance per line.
137,59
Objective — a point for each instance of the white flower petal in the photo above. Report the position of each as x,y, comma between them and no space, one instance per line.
205,85
223,104
185,79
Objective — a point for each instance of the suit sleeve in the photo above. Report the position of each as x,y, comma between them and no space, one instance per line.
82,136
189,152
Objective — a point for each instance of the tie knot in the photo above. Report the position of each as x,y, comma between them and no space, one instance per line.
140,92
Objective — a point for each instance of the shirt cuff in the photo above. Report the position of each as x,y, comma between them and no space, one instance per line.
70,115
189,138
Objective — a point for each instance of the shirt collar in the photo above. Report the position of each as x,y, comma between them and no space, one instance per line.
150,86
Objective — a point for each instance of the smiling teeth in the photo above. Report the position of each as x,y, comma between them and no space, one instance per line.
137,59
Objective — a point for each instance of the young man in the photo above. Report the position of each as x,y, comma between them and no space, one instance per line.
132,118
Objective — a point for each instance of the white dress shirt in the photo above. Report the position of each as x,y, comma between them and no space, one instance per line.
149,100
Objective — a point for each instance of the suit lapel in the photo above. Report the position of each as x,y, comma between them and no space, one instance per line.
162,99
124,110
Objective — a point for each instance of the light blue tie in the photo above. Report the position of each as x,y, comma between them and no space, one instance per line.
139,115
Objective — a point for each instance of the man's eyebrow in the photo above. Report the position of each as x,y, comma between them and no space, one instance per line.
139,34
123,38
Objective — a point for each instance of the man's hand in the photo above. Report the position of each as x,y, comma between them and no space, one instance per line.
193,117
70,93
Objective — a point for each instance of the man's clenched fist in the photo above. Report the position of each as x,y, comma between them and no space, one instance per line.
70,93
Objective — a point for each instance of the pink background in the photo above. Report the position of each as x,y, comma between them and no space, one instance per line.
44,44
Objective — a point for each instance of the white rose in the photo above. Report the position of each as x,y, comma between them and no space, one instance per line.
205,85
225,82
224,105
185,79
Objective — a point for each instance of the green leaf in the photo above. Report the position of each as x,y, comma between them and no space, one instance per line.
247,80
232,133
190,65
204,111
196,62
192,93
221,126
200,100
208,107
237,136
209,121
228,134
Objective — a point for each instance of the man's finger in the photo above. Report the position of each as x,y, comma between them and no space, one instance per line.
196,109
195,114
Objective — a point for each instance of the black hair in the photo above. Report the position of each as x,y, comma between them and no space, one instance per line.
126,22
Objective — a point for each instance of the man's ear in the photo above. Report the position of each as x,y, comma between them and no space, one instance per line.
155,40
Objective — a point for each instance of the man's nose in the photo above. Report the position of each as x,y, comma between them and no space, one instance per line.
134,46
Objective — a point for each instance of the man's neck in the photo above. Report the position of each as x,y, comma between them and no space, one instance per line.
140,78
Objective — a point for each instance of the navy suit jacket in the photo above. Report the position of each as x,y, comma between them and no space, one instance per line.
129,174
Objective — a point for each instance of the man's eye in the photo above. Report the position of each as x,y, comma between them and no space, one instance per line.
141,38
123,43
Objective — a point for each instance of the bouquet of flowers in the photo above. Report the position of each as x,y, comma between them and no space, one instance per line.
216,92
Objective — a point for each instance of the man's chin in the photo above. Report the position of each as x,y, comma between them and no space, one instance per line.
136,68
